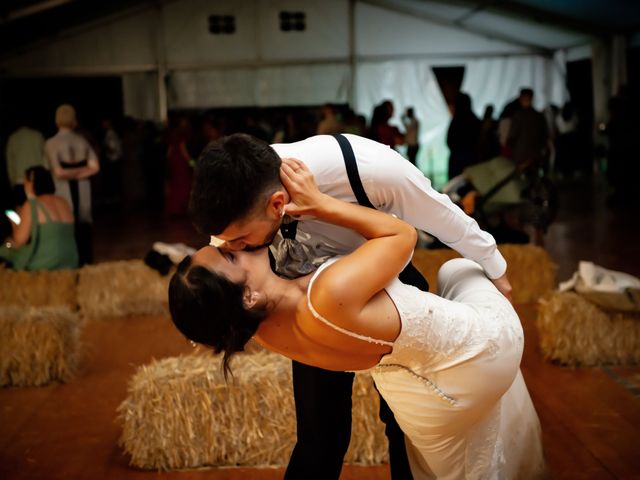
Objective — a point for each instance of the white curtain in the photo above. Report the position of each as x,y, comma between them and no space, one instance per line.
409,84
497,81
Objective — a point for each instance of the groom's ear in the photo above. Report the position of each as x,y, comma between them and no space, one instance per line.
277,201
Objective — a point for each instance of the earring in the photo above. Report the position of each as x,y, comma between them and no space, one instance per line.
282,213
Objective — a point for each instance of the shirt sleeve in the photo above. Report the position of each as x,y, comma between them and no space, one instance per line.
401,189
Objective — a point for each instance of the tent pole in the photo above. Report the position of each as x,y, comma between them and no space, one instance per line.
161,66
352,53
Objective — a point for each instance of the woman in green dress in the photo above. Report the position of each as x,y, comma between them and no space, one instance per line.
44,239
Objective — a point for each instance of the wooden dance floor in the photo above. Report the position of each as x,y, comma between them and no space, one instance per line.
590,416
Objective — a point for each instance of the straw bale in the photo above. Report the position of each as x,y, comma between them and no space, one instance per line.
530,269
55,288
122,288
180,413
574,331
38,345
368,445
428,262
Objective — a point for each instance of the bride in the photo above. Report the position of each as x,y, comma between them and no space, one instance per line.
448,366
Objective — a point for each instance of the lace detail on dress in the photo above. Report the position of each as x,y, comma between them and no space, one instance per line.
442,333
336,327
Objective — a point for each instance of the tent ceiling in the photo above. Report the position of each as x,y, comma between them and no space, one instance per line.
541,24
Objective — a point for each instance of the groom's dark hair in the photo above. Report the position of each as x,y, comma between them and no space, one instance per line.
232,176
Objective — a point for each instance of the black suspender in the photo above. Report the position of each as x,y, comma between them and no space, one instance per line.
352,171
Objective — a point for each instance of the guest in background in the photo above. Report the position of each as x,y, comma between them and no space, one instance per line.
566,123
154,155
488,146
504,125
381,130
25,148
72,162
111,162
622,166
330,123
528,134
179,169
463,136
411,129
44,238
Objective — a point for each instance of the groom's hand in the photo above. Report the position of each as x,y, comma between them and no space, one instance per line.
503,285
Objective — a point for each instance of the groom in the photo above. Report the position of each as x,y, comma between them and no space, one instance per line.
237,197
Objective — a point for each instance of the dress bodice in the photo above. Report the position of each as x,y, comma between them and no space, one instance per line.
439,333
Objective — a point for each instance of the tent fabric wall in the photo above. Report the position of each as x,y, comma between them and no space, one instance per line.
140,95
126,43
380,31
497,81
410,84
262,87
258,37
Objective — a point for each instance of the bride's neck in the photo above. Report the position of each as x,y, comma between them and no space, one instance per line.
283,295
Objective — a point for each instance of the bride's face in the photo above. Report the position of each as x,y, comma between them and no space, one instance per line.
251,268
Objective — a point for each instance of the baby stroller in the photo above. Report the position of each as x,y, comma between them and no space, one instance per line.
509,201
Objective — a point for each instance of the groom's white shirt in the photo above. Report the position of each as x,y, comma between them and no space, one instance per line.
393,185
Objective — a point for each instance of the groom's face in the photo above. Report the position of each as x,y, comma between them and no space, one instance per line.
251,234
258,228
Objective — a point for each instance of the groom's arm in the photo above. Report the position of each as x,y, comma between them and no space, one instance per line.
403,190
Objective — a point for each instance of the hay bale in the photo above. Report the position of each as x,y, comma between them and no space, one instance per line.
530,269
574,331
41,288
180,413
123,288
368,444
38,345
428,262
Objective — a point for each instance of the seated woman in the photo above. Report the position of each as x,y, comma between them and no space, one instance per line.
447,366
44,239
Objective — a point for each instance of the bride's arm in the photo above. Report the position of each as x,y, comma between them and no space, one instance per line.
351,282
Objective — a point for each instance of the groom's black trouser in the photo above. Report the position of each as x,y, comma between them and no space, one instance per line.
323,414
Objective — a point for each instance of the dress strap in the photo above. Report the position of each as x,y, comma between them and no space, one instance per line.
43,209
349,333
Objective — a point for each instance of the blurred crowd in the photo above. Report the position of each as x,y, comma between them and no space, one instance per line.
132,164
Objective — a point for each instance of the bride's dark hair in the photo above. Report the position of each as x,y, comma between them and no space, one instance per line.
207,308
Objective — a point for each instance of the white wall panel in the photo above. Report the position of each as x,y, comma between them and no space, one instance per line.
210,88
525,30
187,37
273,86
140,95
326,34
380,31
302,85
119,43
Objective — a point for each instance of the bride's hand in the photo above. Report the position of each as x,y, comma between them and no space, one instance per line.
298,180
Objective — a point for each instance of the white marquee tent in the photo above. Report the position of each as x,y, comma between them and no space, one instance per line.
351,51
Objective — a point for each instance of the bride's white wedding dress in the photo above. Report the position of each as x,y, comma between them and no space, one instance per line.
453,379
